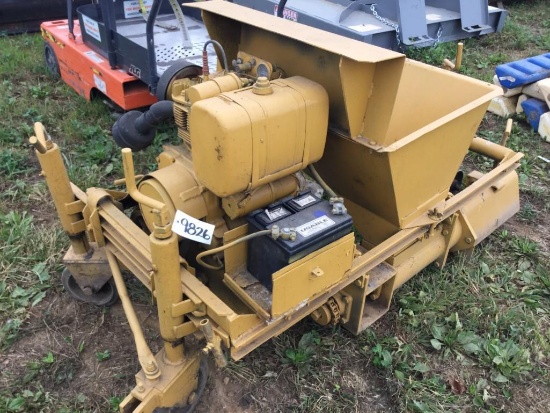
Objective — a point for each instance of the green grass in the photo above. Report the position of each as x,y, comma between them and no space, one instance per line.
464,338
30,256
490,313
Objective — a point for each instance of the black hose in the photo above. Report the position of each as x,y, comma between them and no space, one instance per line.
136,130
281,7
222,51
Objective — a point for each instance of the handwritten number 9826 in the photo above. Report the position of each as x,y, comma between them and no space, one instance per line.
193,230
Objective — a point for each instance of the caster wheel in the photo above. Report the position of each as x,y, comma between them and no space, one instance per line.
105,297
51,60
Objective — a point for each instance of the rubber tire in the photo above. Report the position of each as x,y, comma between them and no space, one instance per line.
50,58
105,297
180,70
202,380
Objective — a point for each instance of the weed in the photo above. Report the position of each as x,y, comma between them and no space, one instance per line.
48,358
22,287
26,400
11,136
9,332
15,190
382,357
450,338
302,355
524,247
15,226
114,402
480,393
39,91
103,355
510,360
13,163
528,212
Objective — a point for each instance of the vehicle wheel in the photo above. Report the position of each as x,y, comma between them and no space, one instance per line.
180,70
197,394
51,60
105,297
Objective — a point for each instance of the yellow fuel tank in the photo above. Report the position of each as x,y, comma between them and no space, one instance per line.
247,138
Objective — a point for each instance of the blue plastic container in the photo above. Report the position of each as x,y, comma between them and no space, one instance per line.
534,109
523,72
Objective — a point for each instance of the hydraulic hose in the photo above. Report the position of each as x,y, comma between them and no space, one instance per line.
136,130
224,247
205,56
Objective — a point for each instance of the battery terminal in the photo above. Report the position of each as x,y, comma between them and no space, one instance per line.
288,234
338,207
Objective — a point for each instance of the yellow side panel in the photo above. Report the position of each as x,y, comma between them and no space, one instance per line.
301,281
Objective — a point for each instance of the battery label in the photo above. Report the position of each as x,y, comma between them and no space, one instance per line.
315,226
91,27
276,213
305,201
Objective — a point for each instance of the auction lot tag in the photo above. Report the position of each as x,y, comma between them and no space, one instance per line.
193,229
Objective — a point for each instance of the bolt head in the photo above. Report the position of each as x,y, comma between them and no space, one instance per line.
150,367
316,315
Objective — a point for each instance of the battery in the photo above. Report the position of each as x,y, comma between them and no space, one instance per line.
311,219
302,201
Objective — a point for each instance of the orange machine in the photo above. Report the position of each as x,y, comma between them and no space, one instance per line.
87,72
126,53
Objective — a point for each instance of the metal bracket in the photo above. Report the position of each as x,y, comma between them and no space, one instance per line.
448,231
91,214
468,237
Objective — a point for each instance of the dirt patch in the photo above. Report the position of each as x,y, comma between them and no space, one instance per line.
538,232
359,389
75,334
80,336
529,397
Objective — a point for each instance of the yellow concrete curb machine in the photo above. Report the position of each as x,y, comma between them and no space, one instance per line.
231,233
